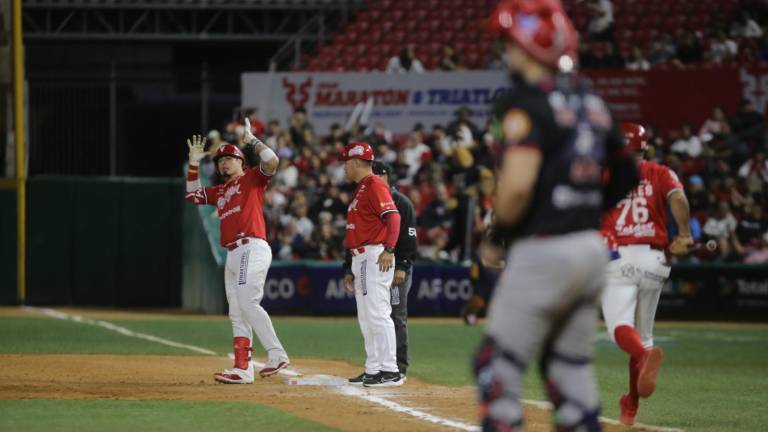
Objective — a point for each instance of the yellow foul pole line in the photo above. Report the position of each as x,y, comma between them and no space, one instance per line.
21,201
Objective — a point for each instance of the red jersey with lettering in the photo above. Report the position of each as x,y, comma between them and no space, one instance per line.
641,217
240,203
365,223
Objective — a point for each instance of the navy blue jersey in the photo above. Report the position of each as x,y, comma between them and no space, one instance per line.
573,129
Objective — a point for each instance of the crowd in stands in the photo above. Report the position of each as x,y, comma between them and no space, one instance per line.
615,34
448,173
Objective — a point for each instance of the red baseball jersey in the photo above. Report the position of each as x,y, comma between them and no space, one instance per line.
641,217
372,201
240,203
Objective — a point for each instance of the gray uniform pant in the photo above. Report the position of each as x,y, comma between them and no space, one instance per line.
399,295
545,305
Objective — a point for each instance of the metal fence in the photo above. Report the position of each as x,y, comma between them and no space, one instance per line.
123,119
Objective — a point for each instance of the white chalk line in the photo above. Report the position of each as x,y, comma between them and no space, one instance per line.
548,406
345,390
116,328
394,406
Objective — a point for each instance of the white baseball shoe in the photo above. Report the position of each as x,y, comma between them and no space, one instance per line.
273,366
235,376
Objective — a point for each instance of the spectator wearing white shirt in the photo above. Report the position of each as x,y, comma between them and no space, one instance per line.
406,62
714,126
755,171
414,154
304,225
601,24
637,61
688,145
722,48
746,27
287,174
721,227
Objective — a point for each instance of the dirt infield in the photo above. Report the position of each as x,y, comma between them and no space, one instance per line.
135,377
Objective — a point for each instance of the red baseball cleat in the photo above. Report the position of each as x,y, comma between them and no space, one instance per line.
628,409
273,366
649,368
235,376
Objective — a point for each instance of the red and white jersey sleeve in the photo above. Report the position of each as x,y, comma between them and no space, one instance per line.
380,198
202,196
372,201
641,217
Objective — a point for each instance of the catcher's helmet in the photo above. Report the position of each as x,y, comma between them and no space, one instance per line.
357,150
540,28
635,136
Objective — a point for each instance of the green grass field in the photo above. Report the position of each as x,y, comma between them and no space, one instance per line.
714,378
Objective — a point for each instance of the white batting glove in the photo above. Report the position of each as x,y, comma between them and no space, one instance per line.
250,138
196,149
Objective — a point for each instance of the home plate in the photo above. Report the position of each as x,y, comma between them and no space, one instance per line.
317,380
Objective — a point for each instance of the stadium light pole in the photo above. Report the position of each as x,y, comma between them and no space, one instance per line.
19,138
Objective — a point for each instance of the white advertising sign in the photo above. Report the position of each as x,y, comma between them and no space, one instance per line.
400,101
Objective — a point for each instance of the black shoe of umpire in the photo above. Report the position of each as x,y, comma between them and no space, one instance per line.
384,379
358,380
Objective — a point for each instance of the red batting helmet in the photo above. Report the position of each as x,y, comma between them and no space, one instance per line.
357,150
635,136
229,150
538,27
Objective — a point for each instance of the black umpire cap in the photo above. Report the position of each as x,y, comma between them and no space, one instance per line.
382,168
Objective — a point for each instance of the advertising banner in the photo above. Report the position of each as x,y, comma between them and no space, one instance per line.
400,101
666,99
318,289
695,291
725,291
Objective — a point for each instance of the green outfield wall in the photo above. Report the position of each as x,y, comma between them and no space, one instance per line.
7,246
96,241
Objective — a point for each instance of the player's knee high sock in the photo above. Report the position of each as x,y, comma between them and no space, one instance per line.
499,379
628,339
634,372
242,352
572,391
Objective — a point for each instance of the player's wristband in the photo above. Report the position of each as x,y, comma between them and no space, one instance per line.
389,250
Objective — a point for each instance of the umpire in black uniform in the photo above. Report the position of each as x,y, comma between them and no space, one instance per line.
556,139
405,254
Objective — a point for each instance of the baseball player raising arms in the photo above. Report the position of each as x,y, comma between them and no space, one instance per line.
373,226
637,227
556,136
239,202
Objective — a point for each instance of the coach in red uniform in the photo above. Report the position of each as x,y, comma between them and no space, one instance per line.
240,203
373,226
637,230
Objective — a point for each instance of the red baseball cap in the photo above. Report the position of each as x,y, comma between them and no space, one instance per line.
357,150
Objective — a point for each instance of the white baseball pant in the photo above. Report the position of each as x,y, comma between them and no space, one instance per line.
634,283
372,295
244,275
